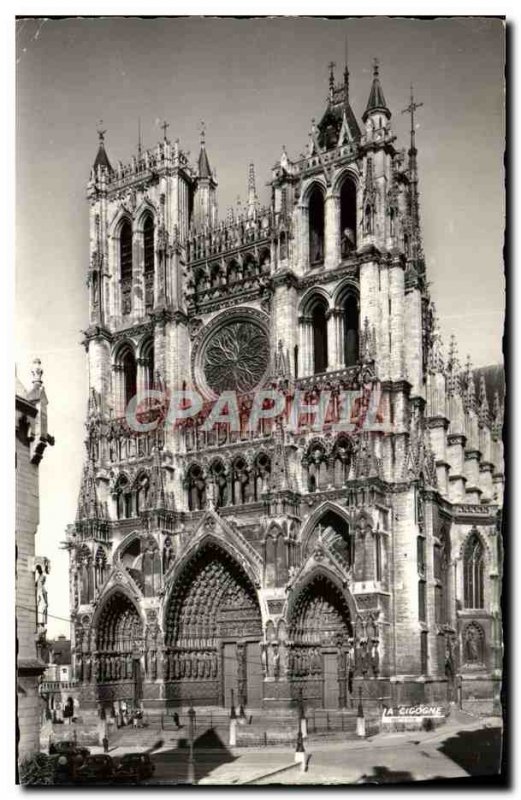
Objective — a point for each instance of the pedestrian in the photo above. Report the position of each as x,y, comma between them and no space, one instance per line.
176,720
134,720
105,742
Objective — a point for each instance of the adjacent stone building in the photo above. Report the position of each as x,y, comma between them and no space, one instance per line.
58,689
32,438
284,559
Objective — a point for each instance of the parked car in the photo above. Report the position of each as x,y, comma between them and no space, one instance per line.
66,746
134,767
96,769
63,767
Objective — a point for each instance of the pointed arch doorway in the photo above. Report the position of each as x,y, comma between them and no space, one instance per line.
320,633
213,630
118,670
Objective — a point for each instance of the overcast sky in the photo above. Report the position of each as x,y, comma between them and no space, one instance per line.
257,84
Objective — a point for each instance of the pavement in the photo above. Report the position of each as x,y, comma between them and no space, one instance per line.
463,746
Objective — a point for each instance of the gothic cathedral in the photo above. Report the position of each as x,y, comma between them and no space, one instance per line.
281,561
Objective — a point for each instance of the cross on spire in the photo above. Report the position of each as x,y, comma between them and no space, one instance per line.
101,132
411,108
164,128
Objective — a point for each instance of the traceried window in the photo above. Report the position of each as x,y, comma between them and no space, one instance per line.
473,573
125,266
148,243
125,250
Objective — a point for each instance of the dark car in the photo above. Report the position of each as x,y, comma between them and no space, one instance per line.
67,747
134,767
66,765
96,769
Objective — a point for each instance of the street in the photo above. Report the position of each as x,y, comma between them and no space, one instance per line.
456,750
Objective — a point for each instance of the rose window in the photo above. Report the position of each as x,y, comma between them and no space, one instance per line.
236,357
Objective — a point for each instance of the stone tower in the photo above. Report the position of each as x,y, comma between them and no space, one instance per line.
321,550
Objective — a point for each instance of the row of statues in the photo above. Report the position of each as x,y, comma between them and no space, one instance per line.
278,661
192,665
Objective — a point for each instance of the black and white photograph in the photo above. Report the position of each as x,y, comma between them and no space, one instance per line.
259,332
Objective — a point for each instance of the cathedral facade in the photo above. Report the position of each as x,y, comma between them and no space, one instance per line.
317,552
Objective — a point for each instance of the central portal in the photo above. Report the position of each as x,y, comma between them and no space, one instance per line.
213,630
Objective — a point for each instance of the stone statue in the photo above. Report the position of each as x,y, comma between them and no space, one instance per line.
348,241
276,661
41,595
375,659
264,659
472,646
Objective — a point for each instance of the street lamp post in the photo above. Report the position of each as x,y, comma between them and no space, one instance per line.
191,733
233,723
303,725
360,718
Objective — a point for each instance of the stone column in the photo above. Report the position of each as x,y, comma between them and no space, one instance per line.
332,232
332,340
303,239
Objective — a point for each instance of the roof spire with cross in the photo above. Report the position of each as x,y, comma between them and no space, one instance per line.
376,101
165,126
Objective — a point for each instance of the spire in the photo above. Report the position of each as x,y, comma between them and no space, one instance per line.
414,203
89,506
252,193
102,159
470,386
346,76
204,170
436,363
139,143
497,417
338,125
453,367
483,402
332,66
376,101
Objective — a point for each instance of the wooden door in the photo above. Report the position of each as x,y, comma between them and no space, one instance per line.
330,680
229,673
254,675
